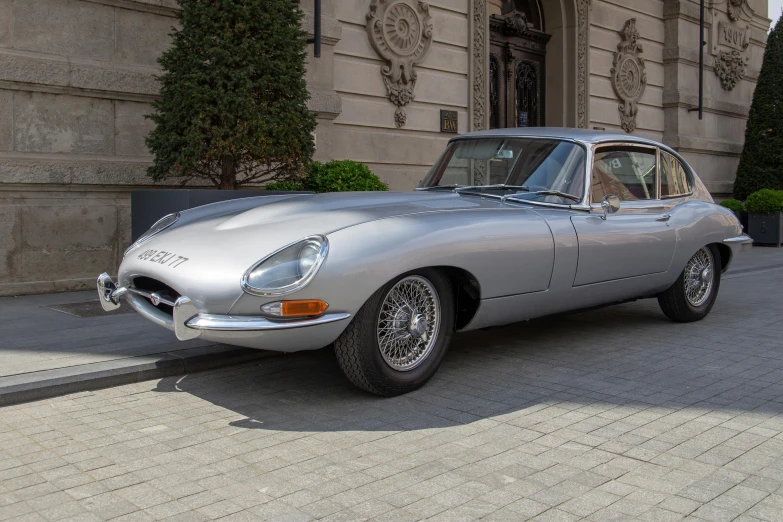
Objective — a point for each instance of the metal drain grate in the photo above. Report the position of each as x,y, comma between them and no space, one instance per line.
87,309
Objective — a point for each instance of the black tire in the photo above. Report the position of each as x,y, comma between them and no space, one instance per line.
675,303
359,354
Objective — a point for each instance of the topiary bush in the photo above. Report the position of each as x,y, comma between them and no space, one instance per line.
765,200
761,164
733,204
334,176
233,100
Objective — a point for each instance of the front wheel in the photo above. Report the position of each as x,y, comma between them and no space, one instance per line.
691,297
397,340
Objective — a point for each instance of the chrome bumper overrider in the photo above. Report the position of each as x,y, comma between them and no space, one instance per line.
744,241
188,323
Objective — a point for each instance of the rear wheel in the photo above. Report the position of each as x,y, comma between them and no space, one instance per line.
692,296
397,340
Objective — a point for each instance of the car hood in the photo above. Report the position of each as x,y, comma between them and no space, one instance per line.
236,234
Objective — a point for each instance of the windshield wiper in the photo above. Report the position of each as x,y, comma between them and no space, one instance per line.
501,186
439,187
550,193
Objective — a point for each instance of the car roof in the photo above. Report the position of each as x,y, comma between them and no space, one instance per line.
581,135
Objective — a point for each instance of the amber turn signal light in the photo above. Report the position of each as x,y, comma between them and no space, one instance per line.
301,308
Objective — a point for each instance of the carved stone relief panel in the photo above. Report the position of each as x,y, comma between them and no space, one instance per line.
730,67
582,56
401,33
629,75
730,41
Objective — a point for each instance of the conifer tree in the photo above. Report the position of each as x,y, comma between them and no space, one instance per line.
233,99
761,165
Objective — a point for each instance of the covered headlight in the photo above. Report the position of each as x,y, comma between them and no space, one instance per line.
288,269
159,226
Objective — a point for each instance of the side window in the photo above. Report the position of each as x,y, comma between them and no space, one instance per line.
627,172
674,180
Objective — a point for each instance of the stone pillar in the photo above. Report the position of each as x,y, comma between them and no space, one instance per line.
320,76
736,33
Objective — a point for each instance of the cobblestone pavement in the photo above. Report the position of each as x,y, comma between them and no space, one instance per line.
613,414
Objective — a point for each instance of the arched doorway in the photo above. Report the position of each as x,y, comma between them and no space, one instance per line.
517,64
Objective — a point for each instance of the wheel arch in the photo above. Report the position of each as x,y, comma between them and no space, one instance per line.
725,255
467,293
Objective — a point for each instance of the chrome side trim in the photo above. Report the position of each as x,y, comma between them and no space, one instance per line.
232,323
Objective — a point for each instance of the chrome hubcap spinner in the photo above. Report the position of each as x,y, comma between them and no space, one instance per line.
698,277
408,323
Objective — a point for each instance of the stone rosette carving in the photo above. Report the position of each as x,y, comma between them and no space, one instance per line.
735,8
730,67
401,33
629,75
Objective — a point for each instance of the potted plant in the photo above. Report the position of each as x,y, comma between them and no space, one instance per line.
232,111
765,216
738,208
334,176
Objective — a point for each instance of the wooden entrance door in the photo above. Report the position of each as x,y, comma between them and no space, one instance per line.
516,72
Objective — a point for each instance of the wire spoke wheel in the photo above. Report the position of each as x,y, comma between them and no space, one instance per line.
698,277
408,323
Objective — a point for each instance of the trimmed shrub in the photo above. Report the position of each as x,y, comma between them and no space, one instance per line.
334,176
761,164
233,98
733,204
765,200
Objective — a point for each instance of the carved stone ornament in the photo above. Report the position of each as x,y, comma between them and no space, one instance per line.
730,67
516,25
401,33
629,75
735,8
582,56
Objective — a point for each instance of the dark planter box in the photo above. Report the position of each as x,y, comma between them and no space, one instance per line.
766,228
148,206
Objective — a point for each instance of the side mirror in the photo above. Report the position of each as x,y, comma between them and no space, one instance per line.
610,204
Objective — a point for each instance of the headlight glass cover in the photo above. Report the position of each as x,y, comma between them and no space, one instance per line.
159,226
288,269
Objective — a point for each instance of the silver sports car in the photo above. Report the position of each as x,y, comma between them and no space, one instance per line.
507,226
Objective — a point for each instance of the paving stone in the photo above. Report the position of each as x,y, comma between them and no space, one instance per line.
542,421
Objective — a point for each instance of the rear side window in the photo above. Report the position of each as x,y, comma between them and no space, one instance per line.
674,179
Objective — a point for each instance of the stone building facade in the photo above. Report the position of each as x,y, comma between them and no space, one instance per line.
77,77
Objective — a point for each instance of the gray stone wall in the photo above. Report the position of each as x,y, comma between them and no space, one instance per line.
76,79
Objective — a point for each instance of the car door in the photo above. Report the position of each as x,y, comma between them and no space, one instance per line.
635,241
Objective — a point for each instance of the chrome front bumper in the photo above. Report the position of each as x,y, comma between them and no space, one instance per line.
186,321
743,242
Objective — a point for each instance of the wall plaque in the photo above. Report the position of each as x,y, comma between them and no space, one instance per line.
732,35
449,121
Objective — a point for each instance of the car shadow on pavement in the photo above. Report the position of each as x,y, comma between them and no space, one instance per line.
624,355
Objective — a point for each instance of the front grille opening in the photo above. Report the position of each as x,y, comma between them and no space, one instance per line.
153,285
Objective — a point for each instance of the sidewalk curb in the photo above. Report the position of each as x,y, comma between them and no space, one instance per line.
27,387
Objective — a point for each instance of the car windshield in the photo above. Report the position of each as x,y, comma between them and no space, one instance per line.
542,170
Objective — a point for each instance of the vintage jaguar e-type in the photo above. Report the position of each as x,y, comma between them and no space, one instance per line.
507,226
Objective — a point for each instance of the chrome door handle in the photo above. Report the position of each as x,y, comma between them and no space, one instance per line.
665,217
